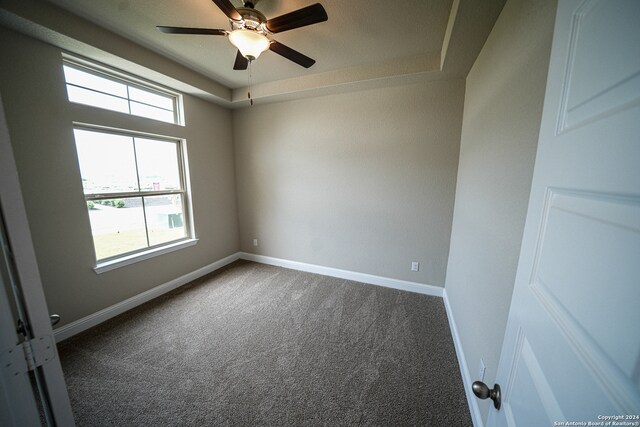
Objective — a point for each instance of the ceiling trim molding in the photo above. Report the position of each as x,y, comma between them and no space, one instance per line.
401,71
60,28
447,34
468,26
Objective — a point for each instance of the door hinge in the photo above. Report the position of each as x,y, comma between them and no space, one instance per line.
28,355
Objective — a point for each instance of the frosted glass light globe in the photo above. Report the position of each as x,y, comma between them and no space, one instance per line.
250,43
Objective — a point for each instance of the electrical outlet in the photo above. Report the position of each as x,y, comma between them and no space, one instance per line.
415,266
481,369
255,242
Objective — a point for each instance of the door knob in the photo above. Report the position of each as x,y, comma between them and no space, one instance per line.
482,391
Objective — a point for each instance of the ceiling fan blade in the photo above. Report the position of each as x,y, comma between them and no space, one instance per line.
227,8
188,30
292,55
298,18
241,62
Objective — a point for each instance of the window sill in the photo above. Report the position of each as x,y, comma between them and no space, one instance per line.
102,267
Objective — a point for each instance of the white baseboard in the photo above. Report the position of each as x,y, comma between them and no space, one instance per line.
103,315
476,417
94,319
346,274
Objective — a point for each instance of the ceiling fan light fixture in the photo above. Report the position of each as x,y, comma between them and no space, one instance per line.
250,43
251,31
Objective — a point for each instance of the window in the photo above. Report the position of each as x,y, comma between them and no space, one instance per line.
101,89
135,183
135,190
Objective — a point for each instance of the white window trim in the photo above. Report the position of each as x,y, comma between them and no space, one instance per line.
116,75
112,263
129,258
123,261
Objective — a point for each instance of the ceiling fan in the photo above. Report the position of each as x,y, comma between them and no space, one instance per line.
251,31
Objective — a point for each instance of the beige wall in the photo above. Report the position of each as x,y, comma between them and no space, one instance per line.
362,181
40,124
502,110
359,181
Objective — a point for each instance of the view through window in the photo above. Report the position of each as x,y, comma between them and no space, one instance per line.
134,189
134,182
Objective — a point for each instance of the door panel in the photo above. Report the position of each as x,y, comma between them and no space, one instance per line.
572,348
586,271
603,61
529,385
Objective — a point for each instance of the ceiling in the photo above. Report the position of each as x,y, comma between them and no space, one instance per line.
357,33
362,41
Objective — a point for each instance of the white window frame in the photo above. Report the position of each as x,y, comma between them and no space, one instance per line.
117,261
126,79
127,258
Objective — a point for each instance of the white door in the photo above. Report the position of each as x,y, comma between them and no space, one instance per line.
29,395
572,344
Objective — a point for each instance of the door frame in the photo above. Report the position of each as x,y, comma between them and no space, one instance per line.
54,388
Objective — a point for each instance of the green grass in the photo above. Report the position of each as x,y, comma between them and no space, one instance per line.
112,244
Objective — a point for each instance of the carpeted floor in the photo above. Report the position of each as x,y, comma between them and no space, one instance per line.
256,345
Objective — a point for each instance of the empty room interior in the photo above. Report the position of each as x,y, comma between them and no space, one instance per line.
336,229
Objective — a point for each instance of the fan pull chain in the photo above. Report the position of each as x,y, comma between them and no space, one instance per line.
249,85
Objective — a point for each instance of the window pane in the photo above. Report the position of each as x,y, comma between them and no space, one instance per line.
104,90
96,99
92,81
151,98
158,164
143,110
165,218
107,162
117,226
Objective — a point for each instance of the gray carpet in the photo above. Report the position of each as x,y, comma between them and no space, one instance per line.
256,345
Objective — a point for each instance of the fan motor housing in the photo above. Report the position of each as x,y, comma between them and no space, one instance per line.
252,19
